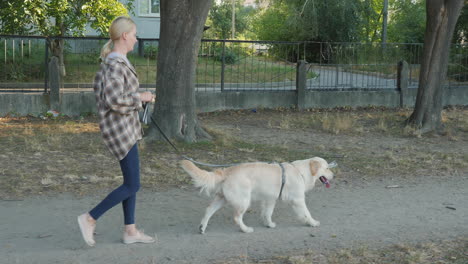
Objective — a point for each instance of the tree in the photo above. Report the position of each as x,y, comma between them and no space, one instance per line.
269,25
407,21
12,14
220,19
461,30
372,16
58,18
182,24
441,18
319,20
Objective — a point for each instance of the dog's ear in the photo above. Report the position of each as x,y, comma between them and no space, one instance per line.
314,167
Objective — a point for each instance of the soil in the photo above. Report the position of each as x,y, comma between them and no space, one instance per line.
389,189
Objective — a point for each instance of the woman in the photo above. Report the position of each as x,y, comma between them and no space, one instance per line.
118,101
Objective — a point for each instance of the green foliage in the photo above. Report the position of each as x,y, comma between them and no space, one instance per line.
371,14
14,72
12,14
339,20
220,20
346,21
21,71
458,66
102,12
59,17
323,20
299,20
461,29
269,24
407,21
150,51
230,57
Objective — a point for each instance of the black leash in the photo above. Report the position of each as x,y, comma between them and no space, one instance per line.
183,156
165,137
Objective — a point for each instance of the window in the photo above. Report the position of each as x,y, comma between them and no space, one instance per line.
149,8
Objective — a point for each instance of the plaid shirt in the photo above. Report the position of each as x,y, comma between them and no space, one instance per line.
118,101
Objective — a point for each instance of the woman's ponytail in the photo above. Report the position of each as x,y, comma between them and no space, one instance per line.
106,49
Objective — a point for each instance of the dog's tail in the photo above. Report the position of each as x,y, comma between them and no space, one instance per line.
207,181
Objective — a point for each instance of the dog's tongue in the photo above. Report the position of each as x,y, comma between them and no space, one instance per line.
324,180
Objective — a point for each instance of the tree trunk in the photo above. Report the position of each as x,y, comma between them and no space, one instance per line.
57,48
441,20
182,23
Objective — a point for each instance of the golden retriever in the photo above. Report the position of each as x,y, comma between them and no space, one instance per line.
259,181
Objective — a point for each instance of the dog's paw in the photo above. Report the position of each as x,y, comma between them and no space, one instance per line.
313,223
271,225
201,229
247,229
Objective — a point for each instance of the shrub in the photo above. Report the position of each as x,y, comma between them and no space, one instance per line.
150,51
14,72
230,57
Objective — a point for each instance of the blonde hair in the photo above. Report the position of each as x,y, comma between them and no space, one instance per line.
120,25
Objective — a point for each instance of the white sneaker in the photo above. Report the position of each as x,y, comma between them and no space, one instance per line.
140,237
87,229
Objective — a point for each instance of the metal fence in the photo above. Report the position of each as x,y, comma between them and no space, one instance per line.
245,65
225,65
22,60
360,66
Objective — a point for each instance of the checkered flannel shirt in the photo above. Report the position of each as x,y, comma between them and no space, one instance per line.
118,102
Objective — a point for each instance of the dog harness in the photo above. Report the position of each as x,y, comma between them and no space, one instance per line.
283,180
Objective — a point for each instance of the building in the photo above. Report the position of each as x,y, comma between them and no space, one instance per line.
146,15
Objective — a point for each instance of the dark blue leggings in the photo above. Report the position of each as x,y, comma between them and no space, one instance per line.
125,193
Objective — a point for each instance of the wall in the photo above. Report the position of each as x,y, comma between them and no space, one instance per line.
84,102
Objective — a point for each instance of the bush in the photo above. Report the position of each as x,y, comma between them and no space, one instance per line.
14,72
230,57
150,51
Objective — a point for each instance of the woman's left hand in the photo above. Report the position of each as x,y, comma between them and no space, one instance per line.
147,97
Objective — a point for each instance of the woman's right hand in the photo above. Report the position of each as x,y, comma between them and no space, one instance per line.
147,97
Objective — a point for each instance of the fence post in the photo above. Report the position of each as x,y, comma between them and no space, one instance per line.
337,79
141,48
402,81
54,83
301,83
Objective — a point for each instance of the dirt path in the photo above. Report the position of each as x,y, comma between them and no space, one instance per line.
44,229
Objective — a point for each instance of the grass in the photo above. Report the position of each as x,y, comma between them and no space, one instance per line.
366,120
255,69
370,143
81,68
437,252
66,154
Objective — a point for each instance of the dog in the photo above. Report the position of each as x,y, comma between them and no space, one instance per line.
259,181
